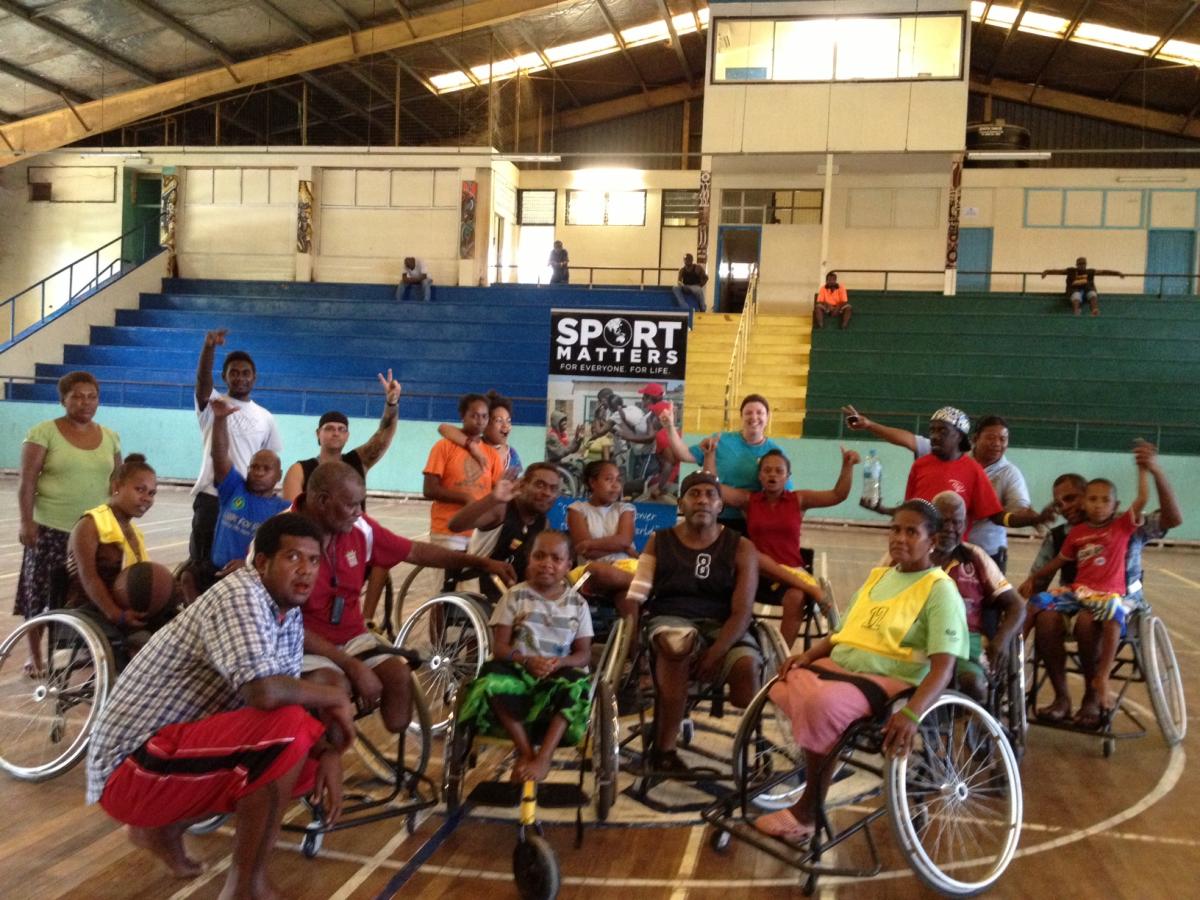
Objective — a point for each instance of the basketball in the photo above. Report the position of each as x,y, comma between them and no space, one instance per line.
144,587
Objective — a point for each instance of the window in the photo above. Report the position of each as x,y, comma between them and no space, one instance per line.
606,207
537,207
681,209
861,48
768,207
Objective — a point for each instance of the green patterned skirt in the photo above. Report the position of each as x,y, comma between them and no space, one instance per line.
534,702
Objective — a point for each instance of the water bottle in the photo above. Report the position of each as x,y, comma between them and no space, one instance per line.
872,492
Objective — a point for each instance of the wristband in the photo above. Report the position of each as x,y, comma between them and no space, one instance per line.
907,712
1007,519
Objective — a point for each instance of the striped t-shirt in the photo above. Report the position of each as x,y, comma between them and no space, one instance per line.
543,627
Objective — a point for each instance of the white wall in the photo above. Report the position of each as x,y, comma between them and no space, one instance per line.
633,247
237,222
37,238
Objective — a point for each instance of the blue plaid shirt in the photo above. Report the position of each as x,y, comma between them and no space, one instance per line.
195,667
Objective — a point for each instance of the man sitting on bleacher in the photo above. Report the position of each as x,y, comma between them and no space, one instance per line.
699,578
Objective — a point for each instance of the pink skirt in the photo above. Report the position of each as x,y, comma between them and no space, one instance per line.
821,710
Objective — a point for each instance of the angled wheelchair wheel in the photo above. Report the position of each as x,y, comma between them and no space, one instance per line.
774,650
1007,703
378,748
450,634
955,801
604,746
535,868
457,761
209,825
766,754
1163,681
45,720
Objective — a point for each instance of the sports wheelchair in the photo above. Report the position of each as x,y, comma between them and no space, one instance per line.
46,720
954,802
1145,655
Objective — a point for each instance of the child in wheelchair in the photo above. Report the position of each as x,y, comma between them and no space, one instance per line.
1096,598
773,520
535,687
602,530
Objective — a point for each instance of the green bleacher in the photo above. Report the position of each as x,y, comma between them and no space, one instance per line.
1060,380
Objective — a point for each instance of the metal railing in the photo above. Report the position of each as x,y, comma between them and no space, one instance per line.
76,281
741,348
647,276
1006,281
366,402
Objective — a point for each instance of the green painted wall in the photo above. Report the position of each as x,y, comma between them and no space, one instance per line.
170,440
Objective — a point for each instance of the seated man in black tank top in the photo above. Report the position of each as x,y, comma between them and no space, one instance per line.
508,519
698,581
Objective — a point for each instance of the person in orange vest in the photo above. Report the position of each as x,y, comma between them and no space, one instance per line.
832,301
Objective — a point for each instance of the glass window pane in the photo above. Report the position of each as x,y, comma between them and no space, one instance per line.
808,199
804,50
867,49
585,207
744,49
536,207
757,198
807,216
627,208
930,47
753,215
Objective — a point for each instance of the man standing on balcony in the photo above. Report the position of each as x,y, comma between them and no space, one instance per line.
689,287
251,428
560,264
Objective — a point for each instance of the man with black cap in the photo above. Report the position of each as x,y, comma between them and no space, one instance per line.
697,580
333,432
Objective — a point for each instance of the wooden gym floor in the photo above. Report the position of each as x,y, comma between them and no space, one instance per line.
1121,827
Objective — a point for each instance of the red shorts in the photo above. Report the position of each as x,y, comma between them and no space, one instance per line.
194,769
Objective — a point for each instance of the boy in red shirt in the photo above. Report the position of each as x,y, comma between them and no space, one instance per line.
1098,547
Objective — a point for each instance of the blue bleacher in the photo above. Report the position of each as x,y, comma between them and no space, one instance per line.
318,346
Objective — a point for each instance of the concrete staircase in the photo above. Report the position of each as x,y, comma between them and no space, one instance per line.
777,368
710,344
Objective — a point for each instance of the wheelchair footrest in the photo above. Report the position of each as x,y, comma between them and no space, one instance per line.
552,795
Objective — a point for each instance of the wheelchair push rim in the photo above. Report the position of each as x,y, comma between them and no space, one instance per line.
45,720
379,749
450,635
955,801
1164,682
765,749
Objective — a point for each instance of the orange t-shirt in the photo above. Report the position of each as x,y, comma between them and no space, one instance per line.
832,298
458,470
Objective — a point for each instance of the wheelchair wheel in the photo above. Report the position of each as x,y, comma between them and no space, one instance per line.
604,748
209,825
450,634
402,597
45,720
378,748
615,653
535,868
1008,700
833,618
774,650
1163,681
955,801
456,762
765,750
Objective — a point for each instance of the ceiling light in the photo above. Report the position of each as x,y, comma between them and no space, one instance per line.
1007,155
528,157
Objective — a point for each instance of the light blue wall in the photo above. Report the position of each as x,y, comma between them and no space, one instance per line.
170,440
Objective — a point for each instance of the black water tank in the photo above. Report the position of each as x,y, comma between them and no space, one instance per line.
997,135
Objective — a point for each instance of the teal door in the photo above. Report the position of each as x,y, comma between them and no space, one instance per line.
1170,251
974,259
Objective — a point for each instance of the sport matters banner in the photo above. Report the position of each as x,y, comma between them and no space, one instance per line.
613,373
